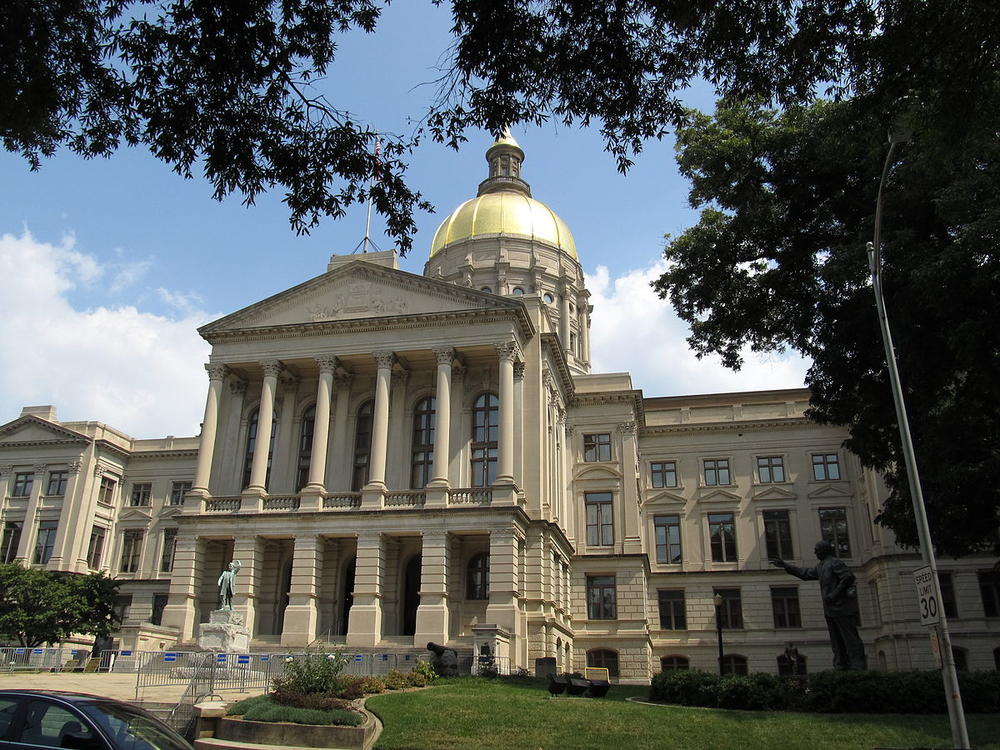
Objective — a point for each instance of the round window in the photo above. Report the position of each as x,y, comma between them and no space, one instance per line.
549,299
486,289
518,291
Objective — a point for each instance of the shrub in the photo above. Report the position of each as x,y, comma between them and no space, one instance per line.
241,707
686,687
318,701
396,680
311,673
372,684
416,679
352,688
427,670
262,708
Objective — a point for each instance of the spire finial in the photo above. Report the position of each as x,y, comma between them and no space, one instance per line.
505,157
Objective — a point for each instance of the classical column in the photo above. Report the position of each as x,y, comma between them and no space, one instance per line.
209,427
265,418
564,319
29,531
442,419
507,352
433,616
631,542
380,420
340,449
321,425
181,611
302,614
519,423
74,525
364,626
397,462
246,595
585,331
285,455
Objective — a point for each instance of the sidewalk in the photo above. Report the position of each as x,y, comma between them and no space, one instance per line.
109,685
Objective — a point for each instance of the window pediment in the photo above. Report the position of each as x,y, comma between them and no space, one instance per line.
665,499
772,492
718,495
592,472
832,490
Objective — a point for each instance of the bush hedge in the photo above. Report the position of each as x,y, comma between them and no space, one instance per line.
263,708
827,692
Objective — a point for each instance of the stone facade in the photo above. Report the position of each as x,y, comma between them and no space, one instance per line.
444,466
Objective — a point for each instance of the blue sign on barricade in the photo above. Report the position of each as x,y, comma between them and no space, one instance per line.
385,657
242,659
38,651
220,658
358,657
265,657
170,657
20,650
124,653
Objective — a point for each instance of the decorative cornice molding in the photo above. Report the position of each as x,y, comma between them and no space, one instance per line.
759,424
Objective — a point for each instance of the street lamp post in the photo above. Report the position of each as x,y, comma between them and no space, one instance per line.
956,714
717,599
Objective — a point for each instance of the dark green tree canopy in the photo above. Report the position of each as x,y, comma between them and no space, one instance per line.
226,88
778,260
41,606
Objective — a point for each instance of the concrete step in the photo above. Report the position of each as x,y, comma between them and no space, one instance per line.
211,743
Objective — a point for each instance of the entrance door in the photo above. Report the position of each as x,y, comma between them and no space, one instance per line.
411,595
348,595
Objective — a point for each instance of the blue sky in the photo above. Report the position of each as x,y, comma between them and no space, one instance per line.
119,259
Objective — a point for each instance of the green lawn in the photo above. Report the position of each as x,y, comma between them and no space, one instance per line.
480,714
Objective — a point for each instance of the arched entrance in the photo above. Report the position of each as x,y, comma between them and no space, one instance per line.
411,595
348,595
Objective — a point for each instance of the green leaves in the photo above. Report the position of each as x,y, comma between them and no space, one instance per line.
40,606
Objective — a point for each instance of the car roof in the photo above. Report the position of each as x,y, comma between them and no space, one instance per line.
65,695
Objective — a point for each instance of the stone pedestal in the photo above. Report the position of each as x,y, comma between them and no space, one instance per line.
491,648
225,632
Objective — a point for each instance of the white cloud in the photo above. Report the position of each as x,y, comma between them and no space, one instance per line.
137,371
633,330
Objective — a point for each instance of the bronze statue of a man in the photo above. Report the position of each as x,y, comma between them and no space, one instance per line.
840,604
227,585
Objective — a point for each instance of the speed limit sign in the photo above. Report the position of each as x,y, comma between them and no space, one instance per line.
929,600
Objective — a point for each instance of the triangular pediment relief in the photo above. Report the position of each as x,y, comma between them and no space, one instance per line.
829,491
356,291
666,498
772,493
30,429
170,511
597,472
135,514
718,495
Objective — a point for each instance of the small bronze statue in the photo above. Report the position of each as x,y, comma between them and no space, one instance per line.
227,585
840,604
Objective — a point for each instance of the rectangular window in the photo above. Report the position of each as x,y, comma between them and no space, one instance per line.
731,609
668,539
601,598
177,492
778,533
23,481
673,614
57,483
716,471
833,528
722,533
45,542
169,546
11,538
141,494
989,589
826,466
770,469
600,525
663,473
948,595
95,550
597,447
131,550
159,604
785,603
106,493
876,601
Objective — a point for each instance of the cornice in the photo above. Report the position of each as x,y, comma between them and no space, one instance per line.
373,325
633,397
113,448
68,435
756,424
565,376
178,453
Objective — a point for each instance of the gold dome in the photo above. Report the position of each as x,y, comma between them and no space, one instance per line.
505,212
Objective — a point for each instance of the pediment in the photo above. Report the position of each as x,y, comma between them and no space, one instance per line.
718,495
356,291
772,493
169,511
31,429
135,514
829,491
598,472
666,498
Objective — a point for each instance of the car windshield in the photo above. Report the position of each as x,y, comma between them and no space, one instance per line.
131,729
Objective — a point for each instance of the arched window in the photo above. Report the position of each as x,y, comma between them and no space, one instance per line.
961,659
362,446
603,657
485,428
252,442
673,663
305,446
734,664
789,667
424,418
518,291
477,582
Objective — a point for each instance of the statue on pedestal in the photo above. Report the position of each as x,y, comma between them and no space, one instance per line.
840,604
227,584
